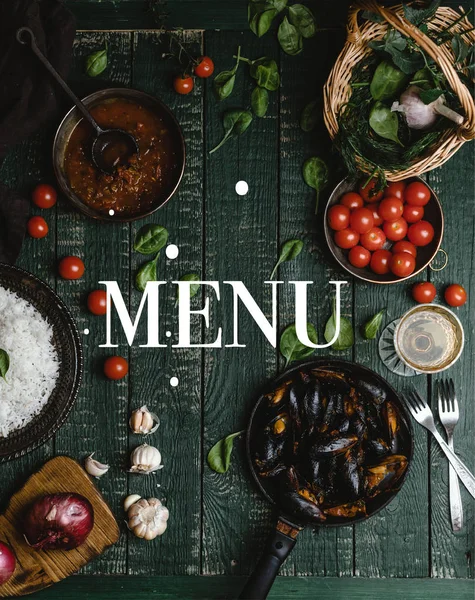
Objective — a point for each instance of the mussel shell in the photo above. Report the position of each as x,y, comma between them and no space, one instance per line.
347,511
385,475
327,446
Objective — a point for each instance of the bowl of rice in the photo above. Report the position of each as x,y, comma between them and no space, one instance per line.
41,339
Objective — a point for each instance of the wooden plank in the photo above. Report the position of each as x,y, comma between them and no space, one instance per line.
98,422
178,551
454,184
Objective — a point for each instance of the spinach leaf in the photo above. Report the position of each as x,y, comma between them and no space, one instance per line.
292,348
290,39
289,251
310,116
387,81
224,82
259,101
266,73
235,123
96,62
417,15
372,326
150,239
460,48
384,122
428,96
303,19
219,457
4,363
315,174
146,273
260,20
193,287
346,337
424,79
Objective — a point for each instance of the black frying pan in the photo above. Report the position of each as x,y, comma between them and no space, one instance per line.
282,540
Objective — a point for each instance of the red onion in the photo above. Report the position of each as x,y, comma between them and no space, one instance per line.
58,521
7,563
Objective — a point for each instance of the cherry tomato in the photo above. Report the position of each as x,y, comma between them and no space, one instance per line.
413,213
71,267
395,189
373,240
361,220
359,257
116,367
421,233
402,264
346,238
417,194
368,192
37,227
205,67
380,262
339,217
404,246
423,292
352,200
377,221
455,295
97,302
44,196
183,84
395,230
390,208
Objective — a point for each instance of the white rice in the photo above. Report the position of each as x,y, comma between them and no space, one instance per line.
34,363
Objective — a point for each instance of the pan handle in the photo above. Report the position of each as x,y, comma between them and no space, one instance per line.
278,547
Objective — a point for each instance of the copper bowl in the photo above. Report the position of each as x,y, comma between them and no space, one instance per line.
73,117
425,254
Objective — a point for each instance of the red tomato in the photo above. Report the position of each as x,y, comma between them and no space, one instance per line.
97,302
417,194
421,233
352,200
396,189
380,261
71,267
183,84
116,367
374,239
404,246
402,264
413,213
37,227
361,220
377,221
455,295
368,192
338,217
390,208
423,292
359,257
44,196
346,238
395,230
205,67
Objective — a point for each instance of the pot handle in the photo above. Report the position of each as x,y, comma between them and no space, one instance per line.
278,546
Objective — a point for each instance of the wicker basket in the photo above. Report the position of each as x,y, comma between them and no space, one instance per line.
337,89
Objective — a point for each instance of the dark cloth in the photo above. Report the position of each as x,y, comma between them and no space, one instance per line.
28,96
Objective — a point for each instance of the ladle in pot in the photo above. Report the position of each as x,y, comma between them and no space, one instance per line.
111,147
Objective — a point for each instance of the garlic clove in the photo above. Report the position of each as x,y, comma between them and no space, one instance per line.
94,467
130,500
144,422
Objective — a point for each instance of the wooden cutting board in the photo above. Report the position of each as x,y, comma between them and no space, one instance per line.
37,570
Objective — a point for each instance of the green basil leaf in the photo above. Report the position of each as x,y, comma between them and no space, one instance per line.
315,175
260,22
259,101
4,363
303,19
417,15
289,251
292,348
150,239
290,39
345,338
460,49
404,57
429,96
223,83
266,73
384,122
387,81
193,287
235,123
219,457
310,116
424,79
96,62
372,326
146,273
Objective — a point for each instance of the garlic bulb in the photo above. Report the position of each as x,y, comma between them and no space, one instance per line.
143,421
94,467
145,459
423,116
147,519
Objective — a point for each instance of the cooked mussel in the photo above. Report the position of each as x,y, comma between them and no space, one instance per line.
351,476
299,500
327,445
273,444
392,420
370,390
385,475
347,511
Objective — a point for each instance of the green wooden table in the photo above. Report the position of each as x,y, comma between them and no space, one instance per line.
218,523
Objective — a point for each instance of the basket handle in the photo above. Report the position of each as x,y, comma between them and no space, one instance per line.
466,131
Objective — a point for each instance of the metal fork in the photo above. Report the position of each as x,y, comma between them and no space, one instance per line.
449,416
423,415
